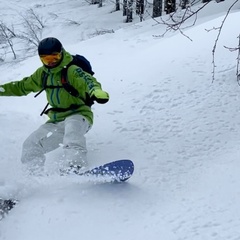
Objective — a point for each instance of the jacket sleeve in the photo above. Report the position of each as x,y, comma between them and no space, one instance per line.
24,86
90,81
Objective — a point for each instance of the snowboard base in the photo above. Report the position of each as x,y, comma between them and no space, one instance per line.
116,171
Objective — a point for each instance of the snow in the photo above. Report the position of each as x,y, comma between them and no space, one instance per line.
165,113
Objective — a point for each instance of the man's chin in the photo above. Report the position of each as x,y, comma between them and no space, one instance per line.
52,64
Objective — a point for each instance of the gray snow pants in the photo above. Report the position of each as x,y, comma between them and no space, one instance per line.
49,136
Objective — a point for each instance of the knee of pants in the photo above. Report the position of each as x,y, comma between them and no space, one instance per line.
31,150
76,127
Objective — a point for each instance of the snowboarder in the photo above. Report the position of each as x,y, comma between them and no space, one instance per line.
70,117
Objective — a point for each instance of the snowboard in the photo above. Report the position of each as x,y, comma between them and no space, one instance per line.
116,171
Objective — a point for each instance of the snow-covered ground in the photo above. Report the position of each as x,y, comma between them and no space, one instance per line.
181,130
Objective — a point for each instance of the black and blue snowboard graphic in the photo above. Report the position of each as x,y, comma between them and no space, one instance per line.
117,171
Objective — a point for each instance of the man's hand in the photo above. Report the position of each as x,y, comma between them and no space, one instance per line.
99,96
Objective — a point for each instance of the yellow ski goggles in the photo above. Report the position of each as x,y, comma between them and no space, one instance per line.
51,60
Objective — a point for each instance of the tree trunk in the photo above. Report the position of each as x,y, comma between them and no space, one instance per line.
139,7
95,1
184,3
157,8
170,6
124,7
129,11
117,5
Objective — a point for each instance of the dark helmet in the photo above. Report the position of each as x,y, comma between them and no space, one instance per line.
49,46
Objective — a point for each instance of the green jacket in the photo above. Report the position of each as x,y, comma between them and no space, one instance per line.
57,97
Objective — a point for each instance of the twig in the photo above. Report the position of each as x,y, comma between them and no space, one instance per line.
217,38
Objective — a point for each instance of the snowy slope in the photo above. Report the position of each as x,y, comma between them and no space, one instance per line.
180,129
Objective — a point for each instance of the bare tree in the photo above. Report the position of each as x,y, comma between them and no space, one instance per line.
35,17
175,23
157,8
170,6
117,5
216,41
238,58
6,36
94,1
139,7
129,11
124,7
184,3
33,25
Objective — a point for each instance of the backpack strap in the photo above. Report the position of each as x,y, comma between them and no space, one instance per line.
64,80
72,90
44,83
66,85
